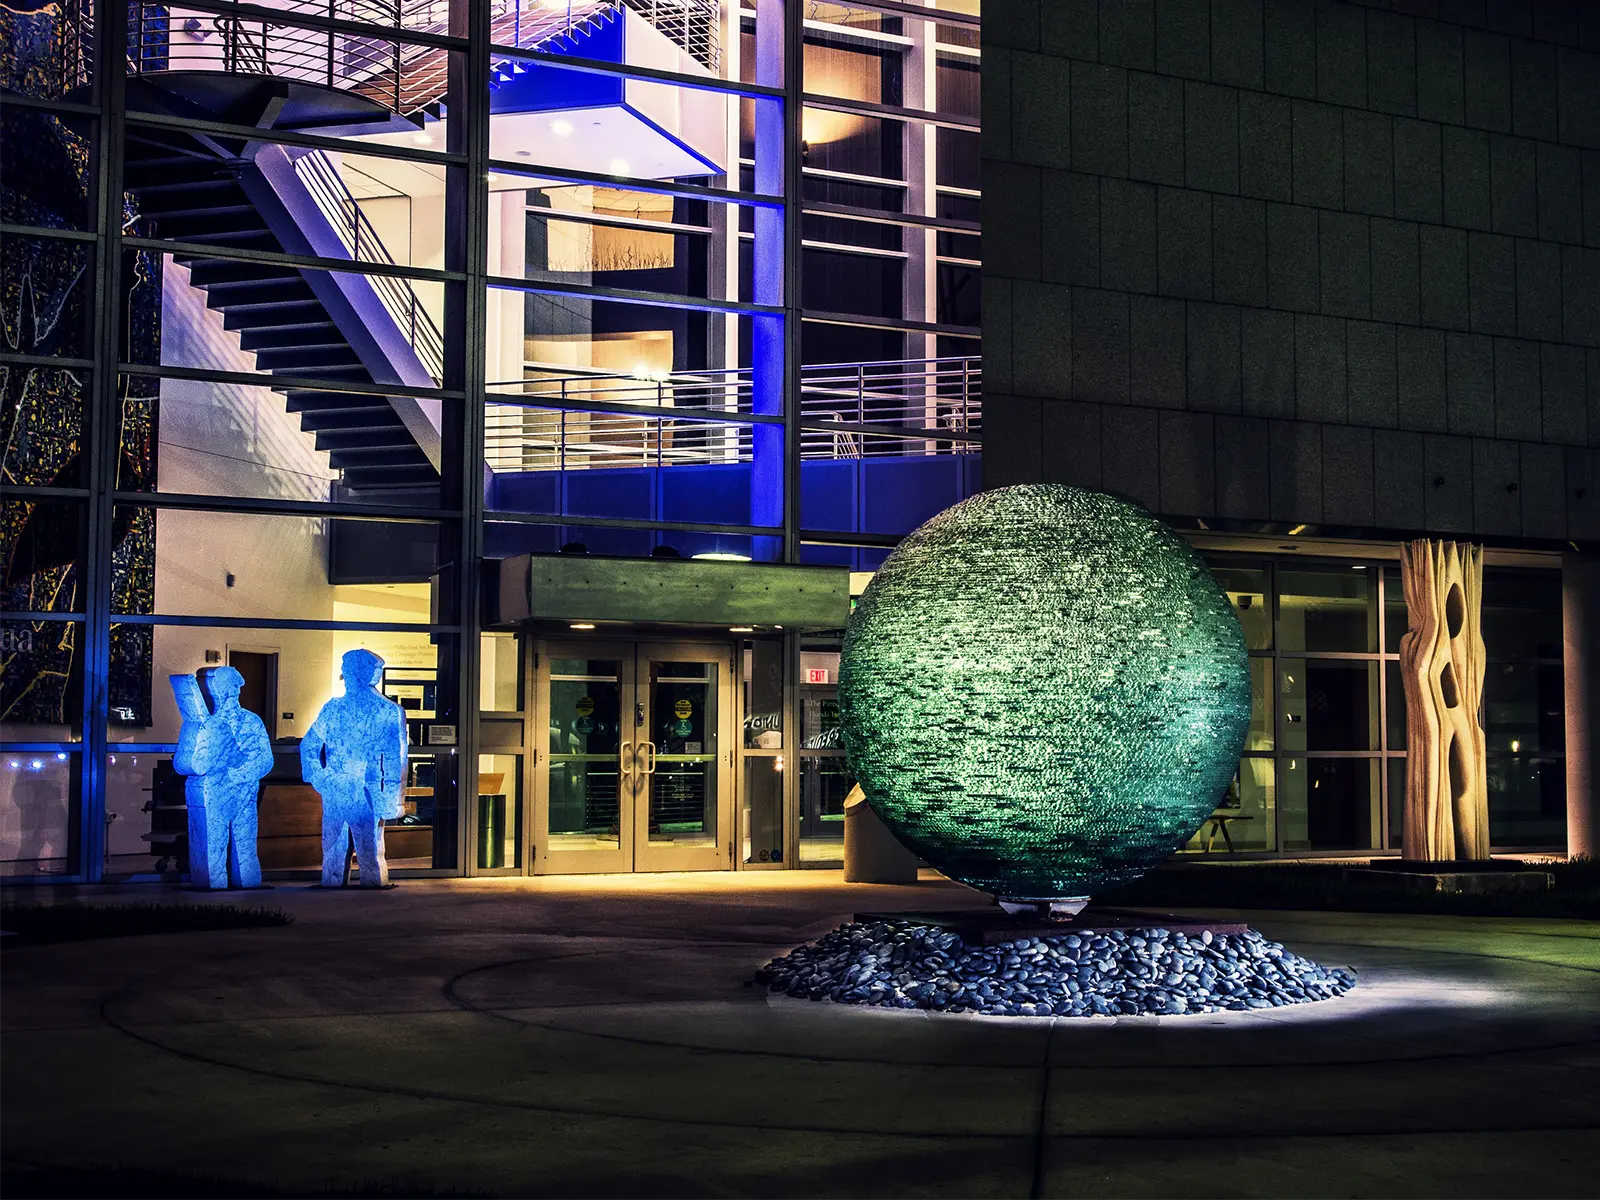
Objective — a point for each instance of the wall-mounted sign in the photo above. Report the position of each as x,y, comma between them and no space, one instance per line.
584,705
682,709
817,675
441,735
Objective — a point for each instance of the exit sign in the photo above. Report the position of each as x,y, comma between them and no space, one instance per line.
816,674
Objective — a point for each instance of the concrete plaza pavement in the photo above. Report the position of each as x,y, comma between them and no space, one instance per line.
593,1036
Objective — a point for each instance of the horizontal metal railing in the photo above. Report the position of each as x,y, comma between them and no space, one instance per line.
404,77
848,410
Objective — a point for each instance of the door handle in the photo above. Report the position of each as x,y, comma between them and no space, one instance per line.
650,746
625,759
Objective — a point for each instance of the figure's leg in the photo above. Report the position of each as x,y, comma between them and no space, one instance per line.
245,865
217,823
335,847
368,830
199,844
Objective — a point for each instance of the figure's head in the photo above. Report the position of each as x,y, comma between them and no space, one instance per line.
361,670
221,684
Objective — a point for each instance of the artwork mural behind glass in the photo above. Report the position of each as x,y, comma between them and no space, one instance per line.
46,290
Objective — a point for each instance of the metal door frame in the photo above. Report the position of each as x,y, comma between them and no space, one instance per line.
719,857
633,657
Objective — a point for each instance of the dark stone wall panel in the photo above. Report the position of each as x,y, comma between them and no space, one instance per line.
1311,261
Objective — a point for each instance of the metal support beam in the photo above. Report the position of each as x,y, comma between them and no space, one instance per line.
103,431
466,329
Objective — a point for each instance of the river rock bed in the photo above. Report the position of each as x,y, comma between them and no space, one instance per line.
1088,973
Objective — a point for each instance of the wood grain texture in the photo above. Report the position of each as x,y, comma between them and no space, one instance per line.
1442,669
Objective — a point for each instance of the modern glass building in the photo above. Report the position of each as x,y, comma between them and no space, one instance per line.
584,359
573,357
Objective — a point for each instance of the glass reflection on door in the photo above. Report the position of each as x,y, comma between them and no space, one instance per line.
585,762
680,759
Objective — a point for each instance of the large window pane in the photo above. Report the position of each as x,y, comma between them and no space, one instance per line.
1328,803
1260,735
41,680
1524,708
1245,818
41,555
1395,619
37,837
1527,801
1327,610
1246,589
198,562
1521,613
46,296
1328,704
1396,778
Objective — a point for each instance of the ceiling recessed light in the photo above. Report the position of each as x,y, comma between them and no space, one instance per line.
561,128
524,153
619,166
581,625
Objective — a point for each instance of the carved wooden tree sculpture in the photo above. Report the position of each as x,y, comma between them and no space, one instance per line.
1442,665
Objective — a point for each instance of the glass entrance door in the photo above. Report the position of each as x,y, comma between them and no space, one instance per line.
635,770
684,820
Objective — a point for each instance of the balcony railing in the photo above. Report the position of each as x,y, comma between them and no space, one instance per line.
404,77
848,410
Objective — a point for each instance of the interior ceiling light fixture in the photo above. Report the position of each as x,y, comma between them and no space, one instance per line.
720,556
561,128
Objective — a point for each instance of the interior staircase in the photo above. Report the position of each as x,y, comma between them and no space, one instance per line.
193,188
187,194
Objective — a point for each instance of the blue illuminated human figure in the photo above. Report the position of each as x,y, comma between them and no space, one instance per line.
224,750
355,755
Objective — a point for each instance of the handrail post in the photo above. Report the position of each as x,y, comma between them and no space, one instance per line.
332,13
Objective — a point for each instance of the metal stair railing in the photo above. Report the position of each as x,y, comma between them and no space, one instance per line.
322,180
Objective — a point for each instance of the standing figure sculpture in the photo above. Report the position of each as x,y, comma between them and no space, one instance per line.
355,755
1442,668
224,750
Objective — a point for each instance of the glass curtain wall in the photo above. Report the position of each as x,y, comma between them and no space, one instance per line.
891,389
311,306
235,393
1324,764
51,261
637,366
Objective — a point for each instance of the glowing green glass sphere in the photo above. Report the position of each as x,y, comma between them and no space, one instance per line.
1044,691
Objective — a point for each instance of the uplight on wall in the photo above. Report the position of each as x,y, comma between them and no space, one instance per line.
720,556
